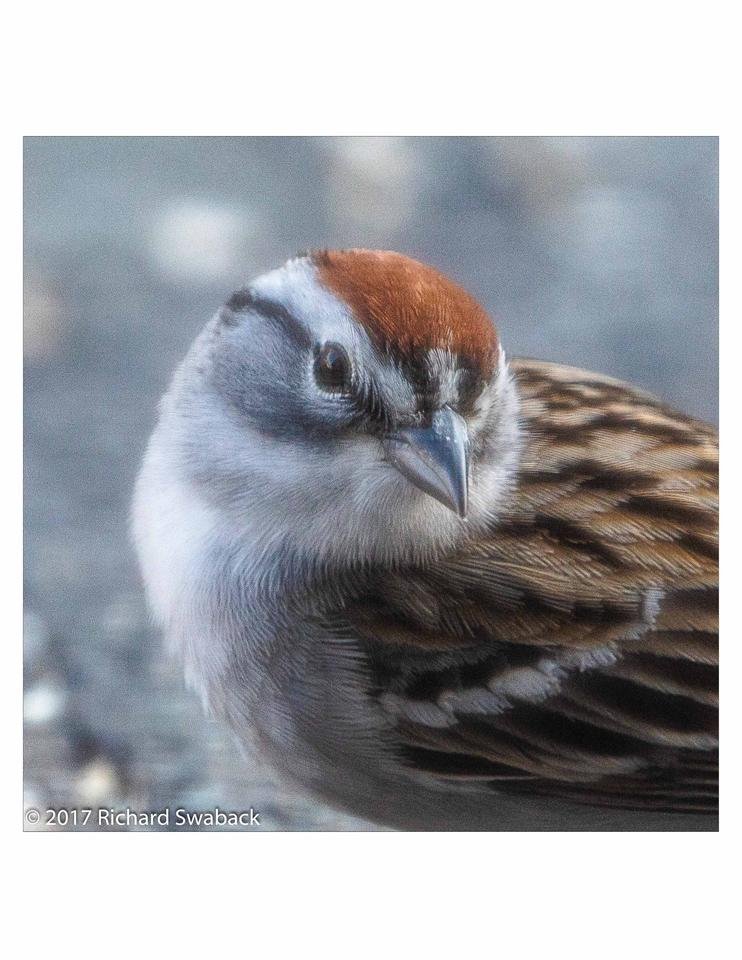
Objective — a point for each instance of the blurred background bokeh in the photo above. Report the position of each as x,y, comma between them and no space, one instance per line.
601,252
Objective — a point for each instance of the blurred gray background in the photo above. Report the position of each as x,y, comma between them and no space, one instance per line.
601,252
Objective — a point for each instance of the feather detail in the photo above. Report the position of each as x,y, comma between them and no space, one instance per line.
570,649
408,307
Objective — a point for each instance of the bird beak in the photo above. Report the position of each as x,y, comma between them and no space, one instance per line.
435,458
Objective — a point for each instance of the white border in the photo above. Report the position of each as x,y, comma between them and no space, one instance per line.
633,68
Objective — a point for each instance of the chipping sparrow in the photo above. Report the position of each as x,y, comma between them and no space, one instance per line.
435,588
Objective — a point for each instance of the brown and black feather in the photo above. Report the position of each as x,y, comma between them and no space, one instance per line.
596,589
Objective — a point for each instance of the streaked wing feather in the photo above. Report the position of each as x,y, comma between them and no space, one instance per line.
572,649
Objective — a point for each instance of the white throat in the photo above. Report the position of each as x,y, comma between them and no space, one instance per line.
285,530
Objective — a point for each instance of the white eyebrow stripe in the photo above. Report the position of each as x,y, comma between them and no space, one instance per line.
296,288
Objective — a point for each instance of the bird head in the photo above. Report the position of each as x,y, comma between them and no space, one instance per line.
356,403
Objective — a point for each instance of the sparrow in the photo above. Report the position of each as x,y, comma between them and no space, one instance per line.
428,585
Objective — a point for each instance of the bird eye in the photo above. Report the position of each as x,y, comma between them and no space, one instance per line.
332,369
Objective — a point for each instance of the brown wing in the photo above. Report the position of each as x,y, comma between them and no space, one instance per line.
572,649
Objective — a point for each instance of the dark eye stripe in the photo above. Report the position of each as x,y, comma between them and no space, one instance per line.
246,299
